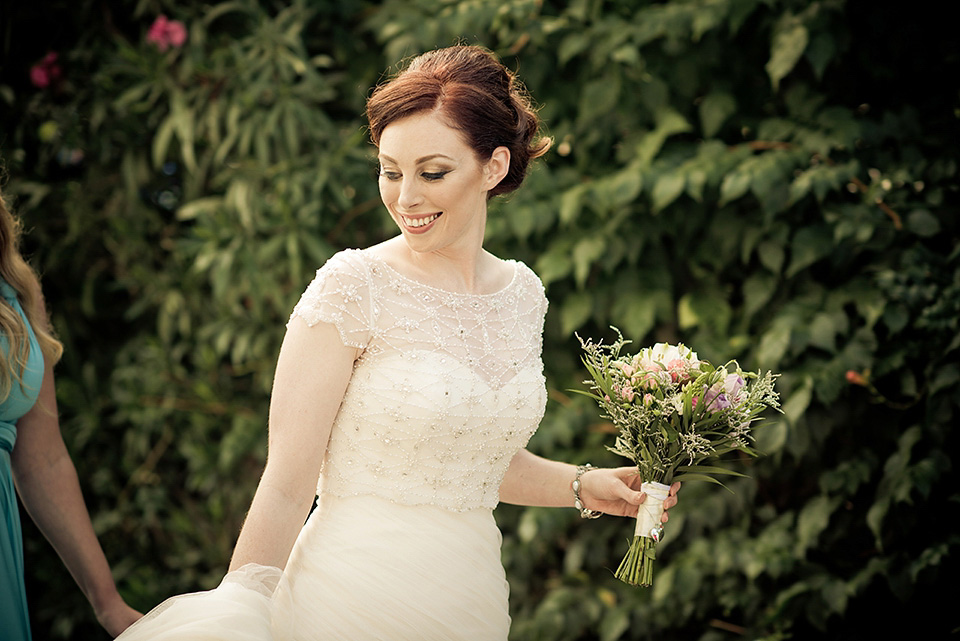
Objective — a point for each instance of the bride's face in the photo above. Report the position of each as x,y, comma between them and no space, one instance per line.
433,185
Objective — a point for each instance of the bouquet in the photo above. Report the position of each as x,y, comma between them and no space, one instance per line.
674,412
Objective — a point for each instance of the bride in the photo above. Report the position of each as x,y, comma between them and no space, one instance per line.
408,383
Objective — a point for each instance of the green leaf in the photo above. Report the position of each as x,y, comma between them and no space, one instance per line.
799,401
823,332
571,203
683,478
809,245
668,123
669,186
812,520
635,313
572,45
774,343
620,188
555,263
614,625
585,254
757,289
772,438
715,108
199,206
599,97
575,311
820,52
771,255
789,42
734,185
922,223
161,141
707,469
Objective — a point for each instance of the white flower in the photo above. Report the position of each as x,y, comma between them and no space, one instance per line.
665,352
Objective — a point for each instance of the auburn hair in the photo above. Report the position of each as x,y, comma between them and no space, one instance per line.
18,274
475,94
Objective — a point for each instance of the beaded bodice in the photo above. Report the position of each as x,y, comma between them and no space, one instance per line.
447,389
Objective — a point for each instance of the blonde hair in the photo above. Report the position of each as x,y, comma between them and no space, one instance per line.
18,274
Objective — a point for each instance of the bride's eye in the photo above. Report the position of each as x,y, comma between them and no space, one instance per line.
389,175
436,175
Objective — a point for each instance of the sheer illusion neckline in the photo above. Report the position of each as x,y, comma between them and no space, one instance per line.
380,261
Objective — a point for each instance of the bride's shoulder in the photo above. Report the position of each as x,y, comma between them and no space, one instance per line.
523,273
350,260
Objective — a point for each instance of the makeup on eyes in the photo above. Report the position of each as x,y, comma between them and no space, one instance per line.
429,176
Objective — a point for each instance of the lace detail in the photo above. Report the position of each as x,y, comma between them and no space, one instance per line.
447,389
339,295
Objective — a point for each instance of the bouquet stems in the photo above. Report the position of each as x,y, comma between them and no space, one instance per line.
637,566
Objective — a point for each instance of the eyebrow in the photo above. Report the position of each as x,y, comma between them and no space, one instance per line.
419,160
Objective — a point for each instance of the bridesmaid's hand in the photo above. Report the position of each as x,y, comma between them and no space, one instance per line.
616,491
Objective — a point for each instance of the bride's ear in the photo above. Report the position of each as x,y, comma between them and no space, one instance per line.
497,167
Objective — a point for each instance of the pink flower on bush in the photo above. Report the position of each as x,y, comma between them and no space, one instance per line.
166,33
856,378
46,71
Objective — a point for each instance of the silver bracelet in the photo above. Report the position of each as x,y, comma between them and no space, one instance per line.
577,503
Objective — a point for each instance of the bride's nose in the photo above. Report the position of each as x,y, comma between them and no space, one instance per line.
410,194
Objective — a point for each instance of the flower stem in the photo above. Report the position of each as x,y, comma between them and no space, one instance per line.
637,566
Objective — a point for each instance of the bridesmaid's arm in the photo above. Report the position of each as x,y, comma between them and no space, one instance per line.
313,370
47,482
536,481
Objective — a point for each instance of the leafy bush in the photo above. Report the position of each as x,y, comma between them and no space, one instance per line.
769,181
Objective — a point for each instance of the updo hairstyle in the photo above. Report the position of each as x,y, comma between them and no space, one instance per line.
476,95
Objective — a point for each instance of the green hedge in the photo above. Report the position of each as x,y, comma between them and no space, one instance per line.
769,181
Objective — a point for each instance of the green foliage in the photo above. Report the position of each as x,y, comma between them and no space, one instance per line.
772,181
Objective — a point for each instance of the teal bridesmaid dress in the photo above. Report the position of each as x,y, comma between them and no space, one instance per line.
14,622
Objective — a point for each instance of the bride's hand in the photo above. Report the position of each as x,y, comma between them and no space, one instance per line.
616,491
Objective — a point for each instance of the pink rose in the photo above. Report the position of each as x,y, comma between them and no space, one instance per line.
46,71
679,370
166,33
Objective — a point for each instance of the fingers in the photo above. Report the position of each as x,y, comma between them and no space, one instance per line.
670,501
624,490
672,496
629,476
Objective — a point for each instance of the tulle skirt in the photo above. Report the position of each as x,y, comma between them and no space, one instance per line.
362,569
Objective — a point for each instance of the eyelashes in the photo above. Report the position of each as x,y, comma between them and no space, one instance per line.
429,176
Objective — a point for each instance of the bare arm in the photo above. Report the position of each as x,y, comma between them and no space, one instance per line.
313,370
50,490
533,480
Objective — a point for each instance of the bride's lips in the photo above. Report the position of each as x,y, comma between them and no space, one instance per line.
419,224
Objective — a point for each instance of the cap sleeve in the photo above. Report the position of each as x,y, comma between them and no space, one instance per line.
340,294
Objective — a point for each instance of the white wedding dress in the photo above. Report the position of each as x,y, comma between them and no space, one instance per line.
402,544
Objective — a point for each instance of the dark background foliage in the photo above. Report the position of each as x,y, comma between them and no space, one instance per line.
773,181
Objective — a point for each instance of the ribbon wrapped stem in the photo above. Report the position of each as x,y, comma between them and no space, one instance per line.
637,566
